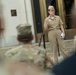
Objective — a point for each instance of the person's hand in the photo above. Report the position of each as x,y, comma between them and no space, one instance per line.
62,35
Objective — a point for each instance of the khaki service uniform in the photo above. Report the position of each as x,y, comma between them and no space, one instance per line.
54,37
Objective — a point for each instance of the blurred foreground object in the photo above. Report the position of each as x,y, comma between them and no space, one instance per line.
67,67
1,20
17,68
21,68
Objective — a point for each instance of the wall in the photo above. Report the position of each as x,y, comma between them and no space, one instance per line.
10,34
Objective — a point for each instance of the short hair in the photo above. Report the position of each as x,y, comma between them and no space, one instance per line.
51,7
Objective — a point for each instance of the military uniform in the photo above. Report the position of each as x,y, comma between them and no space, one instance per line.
27,52
54,33
30,54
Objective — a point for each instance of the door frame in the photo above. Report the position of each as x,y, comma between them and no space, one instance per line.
33,13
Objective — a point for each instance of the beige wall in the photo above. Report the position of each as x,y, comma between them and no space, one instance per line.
24,14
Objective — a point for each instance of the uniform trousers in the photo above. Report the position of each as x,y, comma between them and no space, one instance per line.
56,43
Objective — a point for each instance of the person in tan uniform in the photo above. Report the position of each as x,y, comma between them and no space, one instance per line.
56,34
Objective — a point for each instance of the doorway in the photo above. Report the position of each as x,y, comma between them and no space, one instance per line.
62,7
68,4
